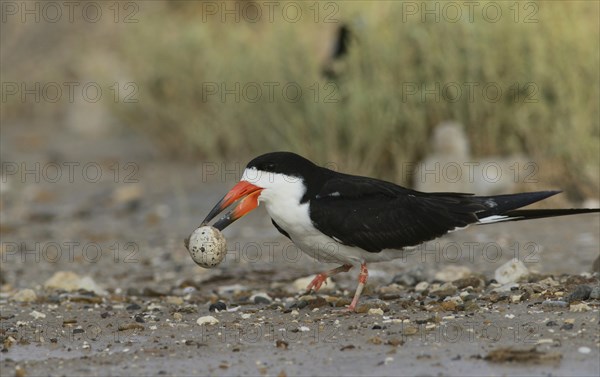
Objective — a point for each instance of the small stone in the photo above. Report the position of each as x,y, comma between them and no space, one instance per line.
506,287
595,293
567,326
375,340
555,303
375,311
174,300
37,315
70,281
20,371
178,317
584,350
515,299
421,286
410,330
207,320
469,281
24,295
582,307
445,290
410,277
448,305
511,272
452,273
133,306
218,306
581,293
261,298
471,306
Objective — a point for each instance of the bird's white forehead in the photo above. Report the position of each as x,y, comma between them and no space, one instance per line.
266,179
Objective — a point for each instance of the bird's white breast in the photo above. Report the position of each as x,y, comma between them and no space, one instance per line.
282,197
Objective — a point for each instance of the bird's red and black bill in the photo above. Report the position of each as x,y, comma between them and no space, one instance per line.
243,190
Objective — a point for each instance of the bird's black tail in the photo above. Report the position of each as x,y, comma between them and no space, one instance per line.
506,207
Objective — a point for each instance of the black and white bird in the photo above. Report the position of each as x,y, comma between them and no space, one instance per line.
354,220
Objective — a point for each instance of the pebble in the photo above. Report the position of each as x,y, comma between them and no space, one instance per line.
582,307
24,295
445,290
175,300
375,311
37,315
470,281
506,287
225,289
261,298
410,277
421,286
584,350
554,303
207,320
452,273
581,293
511,272
218,306
595,293
70,281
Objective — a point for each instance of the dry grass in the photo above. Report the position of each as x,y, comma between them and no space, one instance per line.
547,70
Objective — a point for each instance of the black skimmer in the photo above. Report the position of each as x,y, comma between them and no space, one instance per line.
365,219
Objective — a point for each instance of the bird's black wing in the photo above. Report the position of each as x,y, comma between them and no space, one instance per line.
376,215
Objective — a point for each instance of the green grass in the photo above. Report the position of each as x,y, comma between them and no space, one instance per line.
548,73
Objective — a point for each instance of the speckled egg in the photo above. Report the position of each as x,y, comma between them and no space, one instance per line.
207,246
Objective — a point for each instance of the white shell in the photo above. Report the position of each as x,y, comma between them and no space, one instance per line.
207,246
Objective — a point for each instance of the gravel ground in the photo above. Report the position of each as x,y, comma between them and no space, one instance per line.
96,281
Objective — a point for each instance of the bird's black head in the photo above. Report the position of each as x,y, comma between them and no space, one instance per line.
287,163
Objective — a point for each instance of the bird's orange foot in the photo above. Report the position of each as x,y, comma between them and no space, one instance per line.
316,283
321,278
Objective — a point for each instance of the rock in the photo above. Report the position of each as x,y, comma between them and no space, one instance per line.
554,303
506,287
175,300
37,315
421,286
300,284
582,307
207,320
584,350
24,295
375,311
581,293
445,290
217,306
261,298
469,281
511,272
452,272
595,293
228,289
70,281
410,277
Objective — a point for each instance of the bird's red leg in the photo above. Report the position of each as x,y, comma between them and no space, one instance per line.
362,280
316,283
